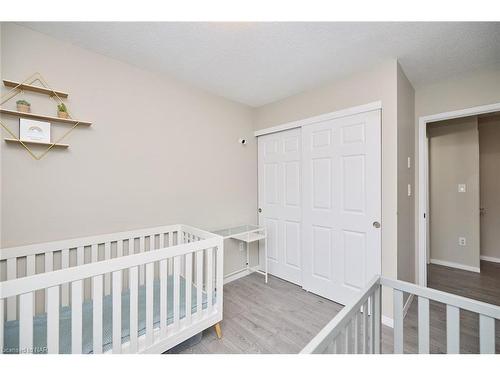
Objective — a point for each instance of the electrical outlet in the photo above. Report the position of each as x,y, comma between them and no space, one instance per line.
242,246
462,241
462,188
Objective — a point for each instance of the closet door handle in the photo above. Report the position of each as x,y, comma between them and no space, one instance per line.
376,224
260,210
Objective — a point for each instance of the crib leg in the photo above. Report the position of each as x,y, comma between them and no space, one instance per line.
218,330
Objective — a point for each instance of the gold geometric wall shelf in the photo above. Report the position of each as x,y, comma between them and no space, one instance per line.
27,85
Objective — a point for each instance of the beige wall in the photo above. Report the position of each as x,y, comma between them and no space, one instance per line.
158,152
479,87
453,160
489,172
406,142
361,88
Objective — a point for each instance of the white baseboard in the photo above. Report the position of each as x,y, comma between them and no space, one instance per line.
386,321
455,265
236,276
490,259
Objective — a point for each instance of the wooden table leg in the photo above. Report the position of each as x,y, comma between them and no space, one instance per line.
218,330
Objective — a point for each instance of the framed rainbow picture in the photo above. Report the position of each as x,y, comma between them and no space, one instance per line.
34,131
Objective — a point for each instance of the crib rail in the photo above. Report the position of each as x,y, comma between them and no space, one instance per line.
196,256
342,333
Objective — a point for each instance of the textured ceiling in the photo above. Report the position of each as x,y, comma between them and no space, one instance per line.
258,63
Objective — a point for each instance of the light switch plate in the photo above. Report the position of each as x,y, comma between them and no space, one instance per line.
462,241
462,188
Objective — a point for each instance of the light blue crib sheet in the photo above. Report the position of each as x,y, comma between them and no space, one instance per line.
11,328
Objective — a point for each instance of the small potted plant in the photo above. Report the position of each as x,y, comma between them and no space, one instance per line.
23,106
62,111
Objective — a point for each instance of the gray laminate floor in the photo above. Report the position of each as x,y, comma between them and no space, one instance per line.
278,317
281,317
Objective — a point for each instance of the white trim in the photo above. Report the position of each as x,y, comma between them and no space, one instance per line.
236,275
386,321
324,117
421,237
407,305
455,265
490,259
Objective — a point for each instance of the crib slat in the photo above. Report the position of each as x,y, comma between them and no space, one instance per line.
97,313
199,283
53,320
134,307
2,320
486,334
80,256
117,311
149,303
49,266
423,325
357,323
189,282
163,297
107,276
76,316
210,279
11,301
141,267
348,337
398,321
170,239
65,286
162,240
152,242
119,248
177,294
131,246
94,253
452,329
30,265
25,323
365,328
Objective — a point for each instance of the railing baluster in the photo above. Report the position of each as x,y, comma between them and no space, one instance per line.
76,316
53,320
486,334
25,323
423,325
134,307
452,329
97,313
365,327
357,324
377,318
398,321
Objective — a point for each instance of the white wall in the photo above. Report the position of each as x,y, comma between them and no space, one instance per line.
379,83
454,160
489,172
158,152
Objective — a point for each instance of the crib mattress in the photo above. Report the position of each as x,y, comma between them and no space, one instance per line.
11,328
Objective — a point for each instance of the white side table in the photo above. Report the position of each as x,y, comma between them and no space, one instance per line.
247,234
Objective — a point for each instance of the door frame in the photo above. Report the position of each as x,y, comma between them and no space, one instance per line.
422,237
368,107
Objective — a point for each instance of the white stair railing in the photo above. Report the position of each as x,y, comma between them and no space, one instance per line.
354,331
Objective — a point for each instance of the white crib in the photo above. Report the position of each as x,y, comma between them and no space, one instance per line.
141,291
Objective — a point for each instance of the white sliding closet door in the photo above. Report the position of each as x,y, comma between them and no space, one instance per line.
279,159
341,209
